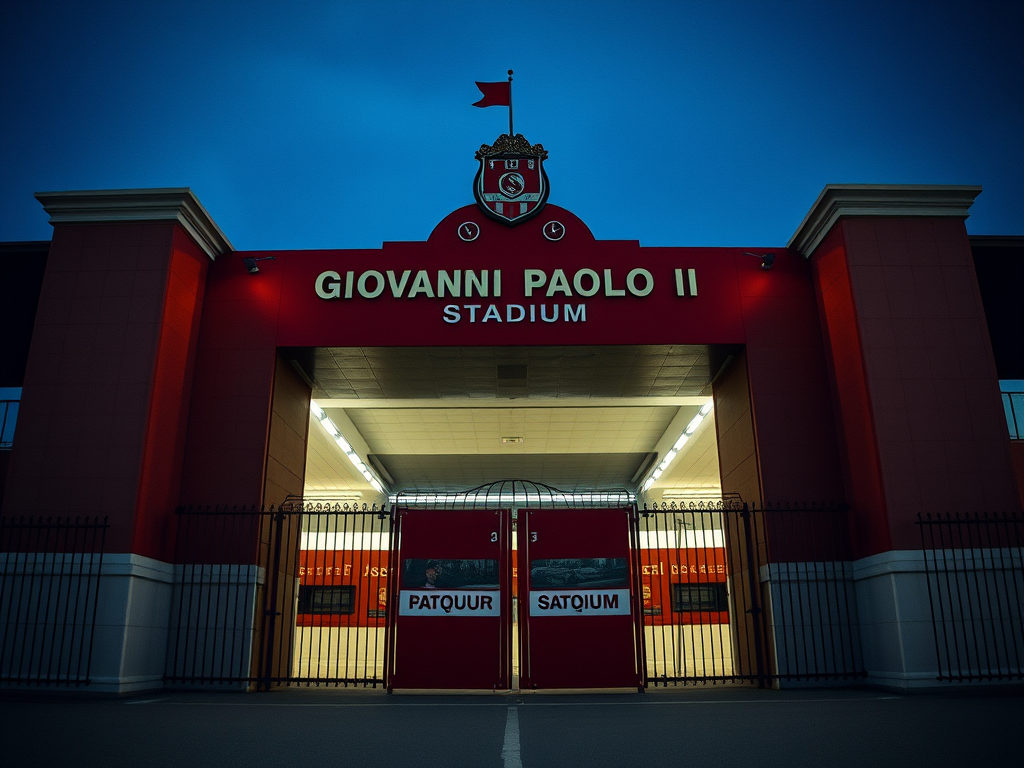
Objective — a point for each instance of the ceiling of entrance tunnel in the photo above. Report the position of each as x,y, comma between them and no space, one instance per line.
504,372
452,418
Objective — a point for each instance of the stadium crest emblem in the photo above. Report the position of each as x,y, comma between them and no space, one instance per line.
511,185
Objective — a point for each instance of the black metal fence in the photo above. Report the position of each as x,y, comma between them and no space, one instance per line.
49,590
281,596
735,593
975,574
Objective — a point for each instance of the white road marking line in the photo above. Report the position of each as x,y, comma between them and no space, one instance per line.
145,701
510,757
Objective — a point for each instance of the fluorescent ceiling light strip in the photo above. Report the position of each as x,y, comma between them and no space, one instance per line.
695,422
509,498
331,428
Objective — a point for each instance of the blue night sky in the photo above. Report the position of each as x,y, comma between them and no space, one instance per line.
344,124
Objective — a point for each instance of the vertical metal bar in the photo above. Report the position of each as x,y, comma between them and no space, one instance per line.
364,555
171,668
639,633
59,579
978,615
96,594
949,622
843,588
243,624
394,580
310,526
318,529
205,657
354,544
67,579
380,652
716,523
996,610
779,535
49,628
20,627
35,599
192,631
1012,536
270,612
675,622
229,585
820,583
224,587
284,648
807,633
752,584
966,617
699,623
6,619
79,622
653,543
923,524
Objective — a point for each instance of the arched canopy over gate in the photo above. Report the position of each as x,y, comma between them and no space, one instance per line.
515,494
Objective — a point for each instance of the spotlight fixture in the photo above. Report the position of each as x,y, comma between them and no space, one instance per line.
767,259
250,263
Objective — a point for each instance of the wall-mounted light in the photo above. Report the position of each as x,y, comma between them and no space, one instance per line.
250,263
767,259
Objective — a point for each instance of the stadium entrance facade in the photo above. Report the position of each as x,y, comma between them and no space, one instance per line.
173,387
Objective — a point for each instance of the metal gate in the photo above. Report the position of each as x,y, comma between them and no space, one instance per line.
295,595
735,593
518,496
299,595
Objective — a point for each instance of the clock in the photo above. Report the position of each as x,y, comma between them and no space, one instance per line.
554,230
469,231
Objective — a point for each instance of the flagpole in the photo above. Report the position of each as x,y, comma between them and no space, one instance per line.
510,134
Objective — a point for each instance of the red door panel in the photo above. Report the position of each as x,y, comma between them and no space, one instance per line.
451,606
578,606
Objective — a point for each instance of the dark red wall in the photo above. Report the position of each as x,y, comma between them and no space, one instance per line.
862,375
107,380
914,380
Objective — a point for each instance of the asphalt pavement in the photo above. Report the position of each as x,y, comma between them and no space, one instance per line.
703,726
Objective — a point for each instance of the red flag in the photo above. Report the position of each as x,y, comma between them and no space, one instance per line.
495,94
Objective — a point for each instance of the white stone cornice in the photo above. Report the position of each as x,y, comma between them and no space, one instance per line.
838,200
110,205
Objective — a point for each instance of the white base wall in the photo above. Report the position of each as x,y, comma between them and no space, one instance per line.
146,624
976,602
212,626
812,622
47,611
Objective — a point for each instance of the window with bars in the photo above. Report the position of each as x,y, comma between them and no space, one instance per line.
332,600
687,598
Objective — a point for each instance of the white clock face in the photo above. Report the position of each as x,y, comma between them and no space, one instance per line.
554,230
469,231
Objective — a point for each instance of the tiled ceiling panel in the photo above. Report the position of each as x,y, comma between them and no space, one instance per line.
451,418
568,472
480,430
494,372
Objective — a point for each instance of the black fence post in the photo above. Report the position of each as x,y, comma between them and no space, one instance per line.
271,611
753,582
